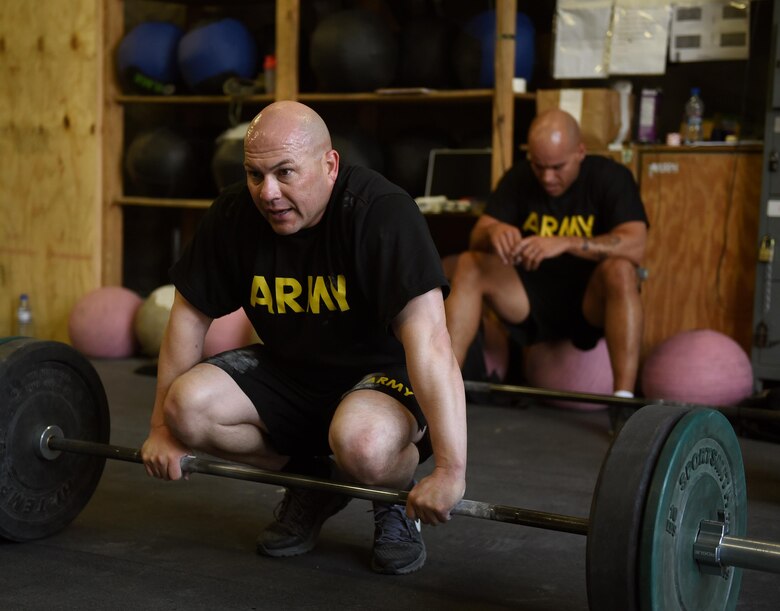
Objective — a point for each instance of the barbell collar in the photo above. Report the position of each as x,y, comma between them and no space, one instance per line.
716,551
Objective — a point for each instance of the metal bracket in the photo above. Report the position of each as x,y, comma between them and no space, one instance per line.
706,548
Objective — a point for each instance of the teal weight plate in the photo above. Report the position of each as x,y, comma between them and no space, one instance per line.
699,476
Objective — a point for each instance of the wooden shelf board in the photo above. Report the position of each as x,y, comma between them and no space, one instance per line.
163,202
454,95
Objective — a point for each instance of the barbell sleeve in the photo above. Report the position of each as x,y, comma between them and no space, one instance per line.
749,554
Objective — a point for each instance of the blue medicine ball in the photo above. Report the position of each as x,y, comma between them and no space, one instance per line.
212,53
146,58
475,53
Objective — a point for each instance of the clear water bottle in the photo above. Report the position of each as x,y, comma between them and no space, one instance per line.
24,317
694,110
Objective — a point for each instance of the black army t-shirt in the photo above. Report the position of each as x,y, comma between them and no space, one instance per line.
603,196
322,299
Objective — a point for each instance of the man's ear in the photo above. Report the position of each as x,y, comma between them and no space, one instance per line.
331,161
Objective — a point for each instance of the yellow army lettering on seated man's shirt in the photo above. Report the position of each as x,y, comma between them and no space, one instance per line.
287,294
575,225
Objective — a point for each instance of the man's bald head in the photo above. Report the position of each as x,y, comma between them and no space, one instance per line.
554,128
555,150
289,121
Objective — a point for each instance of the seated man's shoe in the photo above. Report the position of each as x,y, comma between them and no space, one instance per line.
398,545
299,518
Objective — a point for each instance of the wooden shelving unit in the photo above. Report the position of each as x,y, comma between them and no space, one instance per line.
287,25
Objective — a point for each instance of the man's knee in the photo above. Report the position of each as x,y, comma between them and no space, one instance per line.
184,409
467,267
366,439
619,274
361,451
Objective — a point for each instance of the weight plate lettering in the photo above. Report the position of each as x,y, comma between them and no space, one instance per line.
699,476
46,383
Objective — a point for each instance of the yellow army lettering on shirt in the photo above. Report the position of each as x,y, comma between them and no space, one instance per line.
576,225
391,382
287,294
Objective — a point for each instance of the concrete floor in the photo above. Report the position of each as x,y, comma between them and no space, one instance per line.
145,544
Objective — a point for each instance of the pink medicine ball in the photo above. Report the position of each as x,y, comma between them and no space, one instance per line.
559,365
100,324
699,366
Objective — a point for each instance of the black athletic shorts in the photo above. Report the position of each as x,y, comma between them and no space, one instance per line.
298,415
556,309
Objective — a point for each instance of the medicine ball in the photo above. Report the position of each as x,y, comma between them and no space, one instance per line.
698,366
100,325
212,53
227,164
228,333
474,55
146,58
425,54
152,318
560,366
162,163
353,50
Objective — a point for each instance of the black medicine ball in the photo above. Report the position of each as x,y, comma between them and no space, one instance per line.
353,50
162,163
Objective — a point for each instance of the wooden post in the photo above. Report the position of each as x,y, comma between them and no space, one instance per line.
288,18
112,131
503,95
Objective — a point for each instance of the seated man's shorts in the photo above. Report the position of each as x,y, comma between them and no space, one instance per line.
556,310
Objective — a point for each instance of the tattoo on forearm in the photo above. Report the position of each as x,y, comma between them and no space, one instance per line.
601,246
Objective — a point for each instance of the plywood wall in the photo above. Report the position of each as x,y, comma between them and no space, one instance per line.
50,208
702,245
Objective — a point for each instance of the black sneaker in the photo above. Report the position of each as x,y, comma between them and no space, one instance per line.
299,518
398,544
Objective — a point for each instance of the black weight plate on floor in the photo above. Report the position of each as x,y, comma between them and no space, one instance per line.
45,383
618,506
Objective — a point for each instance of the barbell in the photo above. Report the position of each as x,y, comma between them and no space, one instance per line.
732,412
666,528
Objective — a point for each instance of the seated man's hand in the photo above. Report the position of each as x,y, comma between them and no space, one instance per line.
535,249
505,240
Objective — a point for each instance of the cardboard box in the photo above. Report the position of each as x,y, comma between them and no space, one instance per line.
596,110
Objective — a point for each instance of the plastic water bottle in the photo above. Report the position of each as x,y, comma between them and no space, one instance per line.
24,317
694,109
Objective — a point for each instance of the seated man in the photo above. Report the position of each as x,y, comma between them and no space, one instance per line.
336,270
556,252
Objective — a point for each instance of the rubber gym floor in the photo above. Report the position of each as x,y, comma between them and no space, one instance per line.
146,544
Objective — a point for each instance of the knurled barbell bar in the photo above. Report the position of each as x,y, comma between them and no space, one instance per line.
732,412
666,528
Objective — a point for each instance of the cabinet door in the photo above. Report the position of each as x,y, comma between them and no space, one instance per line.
701,253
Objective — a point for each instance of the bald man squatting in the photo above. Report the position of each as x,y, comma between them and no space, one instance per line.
354,377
